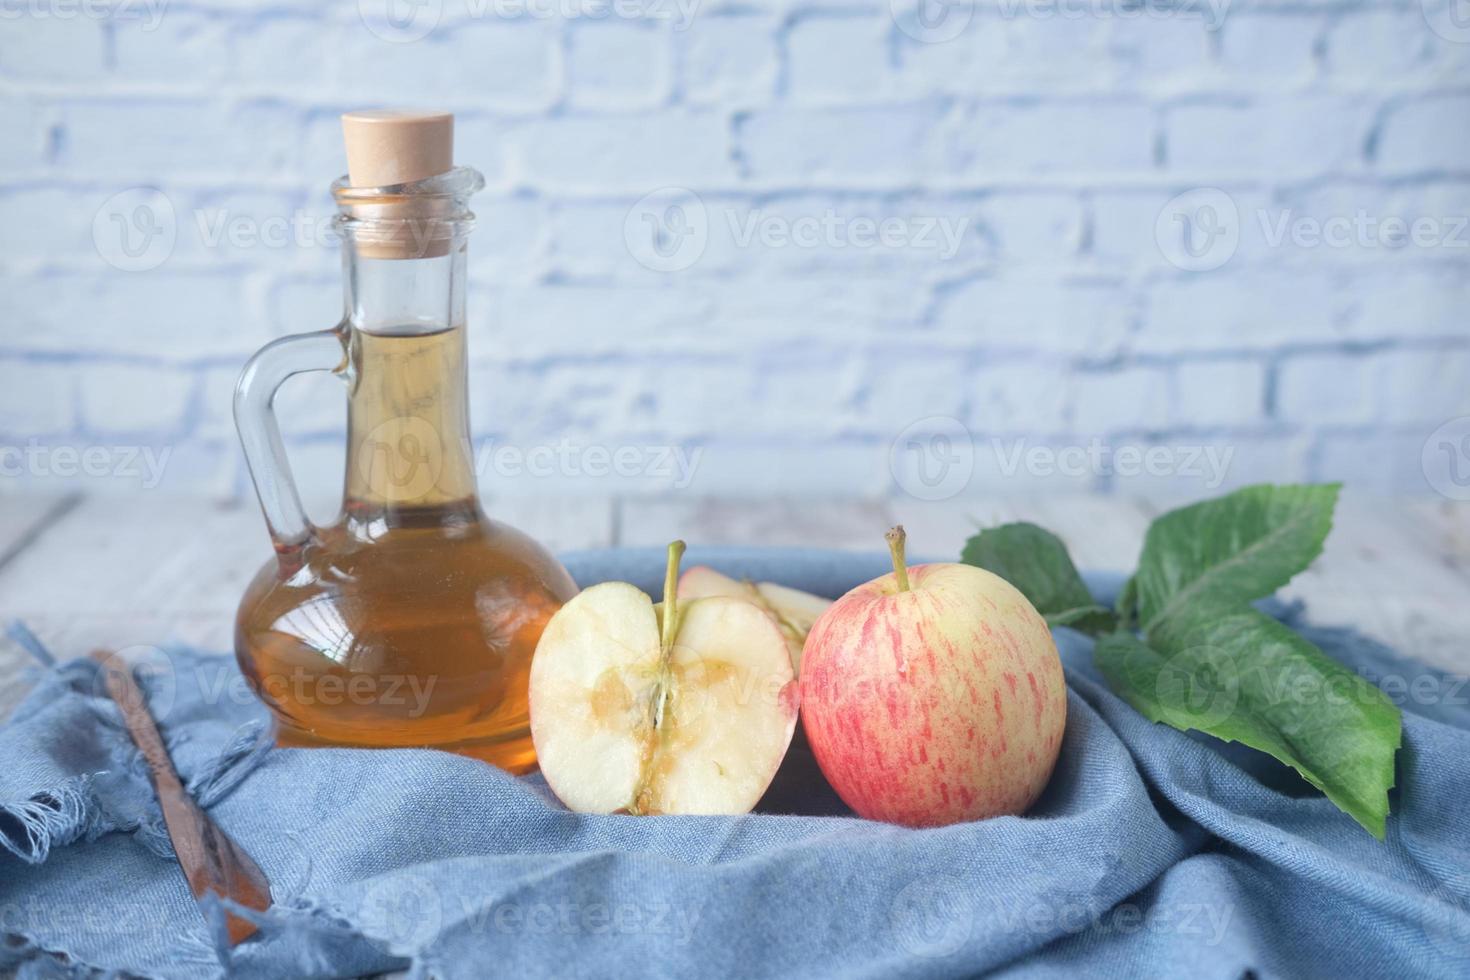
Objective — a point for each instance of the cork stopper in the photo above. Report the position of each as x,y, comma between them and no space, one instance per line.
397,146
386,147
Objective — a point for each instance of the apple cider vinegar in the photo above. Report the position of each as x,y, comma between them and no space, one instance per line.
411,620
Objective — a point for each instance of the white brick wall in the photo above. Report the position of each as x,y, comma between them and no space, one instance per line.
1053,140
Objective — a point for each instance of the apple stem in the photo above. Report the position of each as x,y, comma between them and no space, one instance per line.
895,538
671,597
669,629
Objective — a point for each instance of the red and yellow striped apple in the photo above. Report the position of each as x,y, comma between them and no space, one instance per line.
933,695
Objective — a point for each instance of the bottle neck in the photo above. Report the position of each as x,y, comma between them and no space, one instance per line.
409,457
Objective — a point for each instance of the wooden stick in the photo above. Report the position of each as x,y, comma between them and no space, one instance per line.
212,862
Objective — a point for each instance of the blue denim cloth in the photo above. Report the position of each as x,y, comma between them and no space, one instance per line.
1152,852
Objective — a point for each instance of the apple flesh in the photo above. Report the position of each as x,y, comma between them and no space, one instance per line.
684,707
794,611
933,695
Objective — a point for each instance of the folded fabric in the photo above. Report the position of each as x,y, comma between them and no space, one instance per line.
1152,852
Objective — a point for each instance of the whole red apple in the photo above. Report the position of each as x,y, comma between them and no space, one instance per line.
933,695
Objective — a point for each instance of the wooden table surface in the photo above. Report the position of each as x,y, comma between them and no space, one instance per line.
124,571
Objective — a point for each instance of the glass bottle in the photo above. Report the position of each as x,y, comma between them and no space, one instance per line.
412,618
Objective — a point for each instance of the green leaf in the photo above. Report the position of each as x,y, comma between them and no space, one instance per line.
1242,676
1231,550
1036,561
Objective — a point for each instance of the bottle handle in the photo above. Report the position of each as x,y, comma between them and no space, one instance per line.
260,432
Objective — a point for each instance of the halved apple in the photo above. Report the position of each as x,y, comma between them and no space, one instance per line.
684,707
794,611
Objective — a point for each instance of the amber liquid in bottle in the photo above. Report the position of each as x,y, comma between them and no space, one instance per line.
412,619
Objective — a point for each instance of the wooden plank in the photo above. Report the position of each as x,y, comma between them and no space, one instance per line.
23,522
138,556
1102,533
852,525
133,571
1446,523
147,570
24,517
560,523
1390,574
